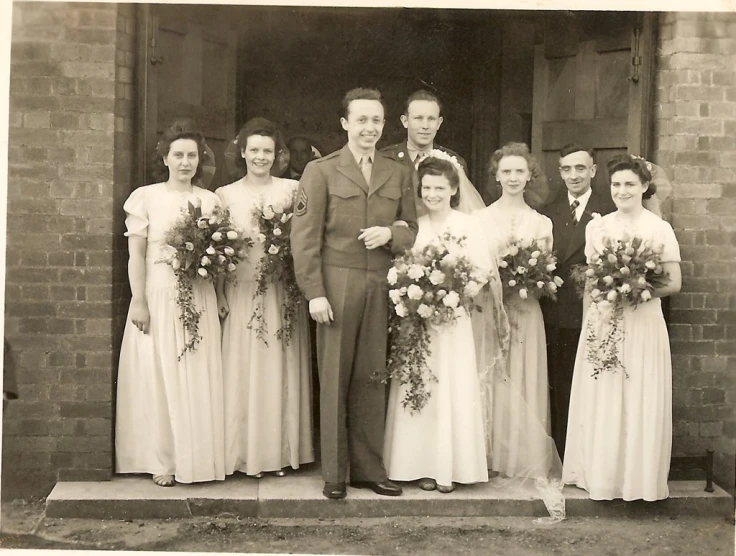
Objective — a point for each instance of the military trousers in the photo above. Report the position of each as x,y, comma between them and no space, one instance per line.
350,351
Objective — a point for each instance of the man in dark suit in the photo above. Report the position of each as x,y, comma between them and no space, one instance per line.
422,119
343,241
570,212
301,153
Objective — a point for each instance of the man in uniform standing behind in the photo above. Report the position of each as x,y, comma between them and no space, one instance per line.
422,119
343,242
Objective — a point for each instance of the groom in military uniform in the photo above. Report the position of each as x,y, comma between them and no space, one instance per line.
343,240
422,119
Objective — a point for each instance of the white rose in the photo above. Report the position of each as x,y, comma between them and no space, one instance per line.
395,296
229,251
558,281
595,293
261,238
277,232
625,288
437,277
641,281
273,249
512,283
392,276
536,254
590,273
513,250
232,234
205,261
189,246
217,236
472,288
646,295
202,223
552,287
401,310
231,267
651,265
415,272
441,293
608,280
551,267
521,270
532,262
414,292
503,264
268,213
451,300
176,264
612,295
424,311
523,293
540,284
213,220
202,272
210,250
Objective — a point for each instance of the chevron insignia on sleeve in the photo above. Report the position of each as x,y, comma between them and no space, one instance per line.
300,208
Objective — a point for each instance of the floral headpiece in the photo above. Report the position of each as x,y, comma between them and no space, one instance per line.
645,161
442,155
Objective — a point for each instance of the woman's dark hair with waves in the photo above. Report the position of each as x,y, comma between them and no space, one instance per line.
183,128
258,126
637,165
432,166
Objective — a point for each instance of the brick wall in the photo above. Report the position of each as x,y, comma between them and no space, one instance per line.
696,144
69,165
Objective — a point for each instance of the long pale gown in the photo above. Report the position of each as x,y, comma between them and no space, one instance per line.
169,418
619,433
445,441
518,433
268,388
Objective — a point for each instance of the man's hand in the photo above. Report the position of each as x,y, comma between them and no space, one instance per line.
320,310
376,236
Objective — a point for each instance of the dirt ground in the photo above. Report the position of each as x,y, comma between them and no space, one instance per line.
24,526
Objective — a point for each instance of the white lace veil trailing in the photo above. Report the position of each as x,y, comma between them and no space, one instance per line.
524,459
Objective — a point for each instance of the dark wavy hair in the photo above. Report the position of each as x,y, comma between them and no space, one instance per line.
638,166
183,128
360,93
513,149
432,166
258,126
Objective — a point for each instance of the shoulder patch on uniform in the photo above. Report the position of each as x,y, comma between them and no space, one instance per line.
300,208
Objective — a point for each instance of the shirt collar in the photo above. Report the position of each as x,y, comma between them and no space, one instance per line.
414,152
582,200
358,156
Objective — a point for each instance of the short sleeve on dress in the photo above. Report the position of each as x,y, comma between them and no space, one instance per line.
545,231
592,230
671,248
136,220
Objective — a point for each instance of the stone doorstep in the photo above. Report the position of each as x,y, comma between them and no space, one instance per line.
299,495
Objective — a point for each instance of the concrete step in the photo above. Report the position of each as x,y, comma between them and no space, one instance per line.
299,494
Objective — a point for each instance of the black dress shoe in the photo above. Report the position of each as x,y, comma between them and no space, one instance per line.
335,491
385,488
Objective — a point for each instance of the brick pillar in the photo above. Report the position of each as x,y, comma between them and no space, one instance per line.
696,144
69,167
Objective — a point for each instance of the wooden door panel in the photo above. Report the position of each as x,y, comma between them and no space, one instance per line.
584,91
190,70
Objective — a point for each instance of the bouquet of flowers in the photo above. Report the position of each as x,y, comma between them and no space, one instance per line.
526,270
200,247
276,266
625,273
430,286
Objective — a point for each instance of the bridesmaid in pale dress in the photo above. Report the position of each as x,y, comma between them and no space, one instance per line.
169,420
268,391
619,434
518,435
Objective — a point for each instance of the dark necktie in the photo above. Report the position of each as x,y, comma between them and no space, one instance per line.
573,207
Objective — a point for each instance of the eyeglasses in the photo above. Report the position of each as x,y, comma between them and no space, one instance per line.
580,168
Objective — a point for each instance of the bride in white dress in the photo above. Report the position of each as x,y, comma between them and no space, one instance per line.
444,443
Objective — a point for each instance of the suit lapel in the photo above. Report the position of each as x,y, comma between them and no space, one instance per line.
349,168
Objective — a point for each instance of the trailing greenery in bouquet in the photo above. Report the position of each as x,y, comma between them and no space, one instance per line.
624,274
201,247
276,266
526,269
431,286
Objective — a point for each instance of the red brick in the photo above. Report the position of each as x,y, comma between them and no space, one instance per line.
85,409
28,309
725,348
693,348
86,241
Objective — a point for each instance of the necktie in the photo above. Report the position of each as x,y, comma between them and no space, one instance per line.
365,168
421,155
573,207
